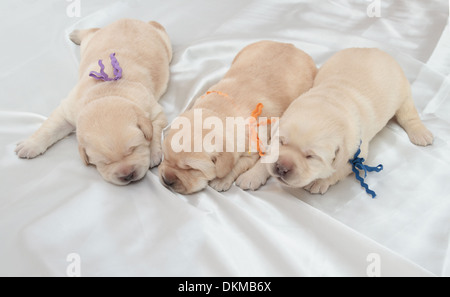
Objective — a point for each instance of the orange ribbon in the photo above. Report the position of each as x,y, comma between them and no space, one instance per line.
254,134
252,122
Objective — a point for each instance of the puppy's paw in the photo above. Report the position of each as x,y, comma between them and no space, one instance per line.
250,180
319,186
155,157
221,184
29,149
421,136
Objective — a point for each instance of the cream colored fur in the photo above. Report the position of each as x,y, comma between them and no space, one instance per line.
118,123
356,92
266,72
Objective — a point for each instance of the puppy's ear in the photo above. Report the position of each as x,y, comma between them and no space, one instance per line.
339,157
157,25
83,154
205,165
145,124
77,36
224,163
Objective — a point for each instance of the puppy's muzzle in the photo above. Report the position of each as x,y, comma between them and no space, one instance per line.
167,182
127,174
168,178
282,170
128,178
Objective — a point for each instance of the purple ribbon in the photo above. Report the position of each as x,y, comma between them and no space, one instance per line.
102,75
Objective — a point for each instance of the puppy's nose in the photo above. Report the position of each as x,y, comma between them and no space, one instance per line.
282,169
168,178
129,177
167,182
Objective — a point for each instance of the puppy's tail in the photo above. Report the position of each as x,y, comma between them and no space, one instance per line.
77,36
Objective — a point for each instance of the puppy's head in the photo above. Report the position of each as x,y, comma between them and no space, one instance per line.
309,149
114,135
187,173
187,167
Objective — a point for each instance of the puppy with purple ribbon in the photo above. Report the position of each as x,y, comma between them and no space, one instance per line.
115,111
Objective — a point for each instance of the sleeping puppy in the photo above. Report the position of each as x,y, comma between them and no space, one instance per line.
355,93
117,118
266,72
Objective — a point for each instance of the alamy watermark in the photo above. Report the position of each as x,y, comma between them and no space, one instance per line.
374,267
74,267
73,9
374,8
240,135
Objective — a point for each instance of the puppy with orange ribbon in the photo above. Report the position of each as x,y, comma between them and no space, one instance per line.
264,78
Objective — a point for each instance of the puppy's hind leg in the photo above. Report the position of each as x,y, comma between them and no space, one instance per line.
52,130
408,117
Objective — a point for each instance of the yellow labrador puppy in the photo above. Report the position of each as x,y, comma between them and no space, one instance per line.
115,112
355,93
269,73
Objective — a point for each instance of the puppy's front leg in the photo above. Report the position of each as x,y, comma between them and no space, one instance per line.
253,178
159,122
243,164
53,129
322,185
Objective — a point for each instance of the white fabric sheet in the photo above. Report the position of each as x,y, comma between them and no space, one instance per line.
53,206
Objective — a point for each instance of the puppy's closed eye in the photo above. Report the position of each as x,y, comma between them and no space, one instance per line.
185,166
283,140
131,150
104,163
311,155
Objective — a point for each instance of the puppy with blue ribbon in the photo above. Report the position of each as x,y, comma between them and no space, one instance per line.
325,133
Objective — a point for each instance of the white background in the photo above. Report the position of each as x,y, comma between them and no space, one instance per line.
53,205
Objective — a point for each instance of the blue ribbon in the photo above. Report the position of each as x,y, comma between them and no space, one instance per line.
357,165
